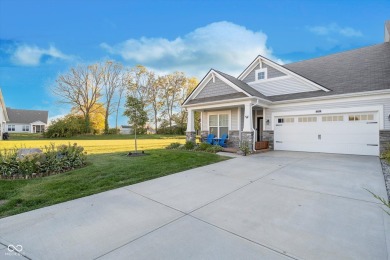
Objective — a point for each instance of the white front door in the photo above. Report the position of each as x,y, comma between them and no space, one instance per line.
346,133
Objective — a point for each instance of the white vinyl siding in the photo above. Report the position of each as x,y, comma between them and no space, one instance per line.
217,88
282,85
234,118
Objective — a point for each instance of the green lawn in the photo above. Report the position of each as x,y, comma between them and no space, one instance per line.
21,136
94,144
104,172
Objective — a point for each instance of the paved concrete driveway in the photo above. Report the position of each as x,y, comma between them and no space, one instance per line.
277,205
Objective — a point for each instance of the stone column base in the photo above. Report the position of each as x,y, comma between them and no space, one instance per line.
191,136
269,136
234,139
247,137
384,140
203,135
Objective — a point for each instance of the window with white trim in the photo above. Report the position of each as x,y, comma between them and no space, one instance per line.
361,117
336,118
307,119
11,128
261,74
219,124
26,128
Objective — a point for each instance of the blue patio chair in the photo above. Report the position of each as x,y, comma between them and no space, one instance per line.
210,139
222,140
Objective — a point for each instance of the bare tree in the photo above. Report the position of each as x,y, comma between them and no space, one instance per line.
171,85
183,93
120,91
154,97
81,87
137,80
112,75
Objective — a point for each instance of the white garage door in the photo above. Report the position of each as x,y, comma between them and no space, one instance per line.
352,133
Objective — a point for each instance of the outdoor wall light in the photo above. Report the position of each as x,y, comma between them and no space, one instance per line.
267,122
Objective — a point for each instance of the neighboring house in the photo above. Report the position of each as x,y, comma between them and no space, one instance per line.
125,129
333,104
26,121
3,116
150,130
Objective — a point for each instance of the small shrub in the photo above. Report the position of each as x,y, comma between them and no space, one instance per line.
173,146
204,146
189,145
113,131
386,155
214,149
244,147
52,161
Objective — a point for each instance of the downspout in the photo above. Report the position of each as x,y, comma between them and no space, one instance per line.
253,143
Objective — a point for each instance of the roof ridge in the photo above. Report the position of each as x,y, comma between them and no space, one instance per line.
254,91
337,53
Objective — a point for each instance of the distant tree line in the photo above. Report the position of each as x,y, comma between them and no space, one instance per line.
96,92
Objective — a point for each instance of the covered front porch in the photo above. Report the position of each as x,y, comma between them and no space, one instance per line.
244,122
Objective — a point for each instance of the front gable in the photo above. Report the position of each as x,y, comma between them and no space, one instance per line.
38,123
215,87
271,73
275,79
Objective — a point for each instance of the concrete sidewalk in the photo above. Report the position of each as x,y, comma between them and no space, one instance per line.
277,205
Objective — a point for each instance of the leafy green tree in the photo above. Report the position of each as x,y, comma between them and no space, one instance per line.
135,111
68,126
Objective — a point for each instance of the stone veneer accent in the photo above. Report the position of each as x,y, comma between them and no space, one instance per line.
191,136
234,139
203,135
248,137
384,140
269,136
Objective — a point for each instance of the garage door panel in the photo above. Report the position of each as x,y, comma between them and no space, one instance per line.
346,137
350,138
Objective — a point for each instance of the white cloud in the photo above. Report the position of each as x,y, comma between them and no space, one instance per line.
221,45
27,55
333,29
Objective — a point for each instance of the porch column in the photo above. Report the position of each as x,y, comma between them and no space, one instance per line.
248,118
190,133
247,134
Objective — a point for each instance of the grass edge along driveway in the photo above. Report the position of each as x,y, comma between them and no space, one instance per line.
103,172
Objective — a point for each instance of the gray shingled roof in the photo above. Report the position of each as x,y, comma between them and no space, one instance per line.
360,70
242,85
364,69
21,116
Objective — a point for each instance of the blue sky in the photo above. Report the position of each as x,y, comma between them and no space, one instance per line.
41,39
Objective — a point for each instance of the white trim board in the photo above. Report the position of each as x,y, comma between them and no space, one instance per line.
358,96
